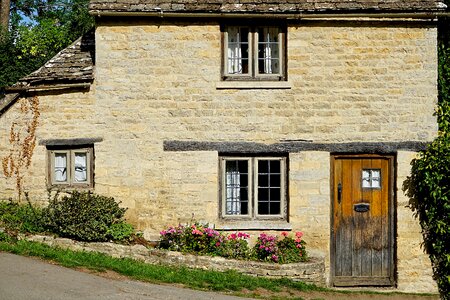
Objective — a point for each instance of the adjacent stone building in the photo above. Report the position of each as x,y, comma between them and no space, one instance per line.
248,115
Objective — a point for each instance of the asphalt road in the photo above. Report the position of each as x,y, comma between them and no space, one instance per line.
30,278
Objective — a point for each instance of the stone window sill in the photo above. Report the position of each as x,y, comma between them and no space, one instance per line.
241,85
253,225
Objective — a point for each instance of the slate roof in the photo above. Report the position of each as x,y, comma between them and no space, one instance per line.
73,64
264,6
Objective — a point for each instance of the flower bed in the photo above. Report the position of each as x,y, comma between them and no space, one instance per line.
200,239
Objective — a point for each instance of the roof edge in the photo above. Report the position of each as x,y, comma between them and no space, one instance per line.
289,15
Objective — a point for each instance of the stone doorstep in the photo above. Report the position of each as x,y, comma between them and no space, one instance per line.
312,271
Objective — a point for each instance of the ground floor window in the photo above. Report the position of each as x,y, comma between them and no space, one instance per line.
71,166
253,187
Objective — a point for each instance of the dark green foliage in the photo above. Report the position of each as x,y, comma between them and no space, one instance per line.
429,191
443,111
49,27
428,187
21,217
84,216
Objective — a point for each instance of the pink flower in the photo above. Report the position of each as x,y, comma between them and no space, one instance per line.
299,234
217,244
163,232
232,236
284,233
299,245
274,258
197,232
243,235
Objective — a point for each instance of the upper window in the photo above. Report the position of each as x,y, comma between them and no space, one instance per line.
253,187
254,53
71,167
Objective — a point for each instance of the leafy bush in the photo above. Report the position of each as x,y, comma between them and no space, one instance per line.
21,217
429,192
281,250
200,239
85,216
120,231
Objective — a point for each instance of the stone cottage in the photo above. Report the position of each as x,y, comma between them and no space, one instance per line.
249,115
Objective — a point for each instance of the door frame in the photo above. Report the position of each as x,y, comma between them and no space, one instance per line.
391,215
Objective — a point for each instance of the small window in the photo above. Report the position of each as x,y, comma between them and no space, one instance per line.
254,53
371,178
253,187
71,167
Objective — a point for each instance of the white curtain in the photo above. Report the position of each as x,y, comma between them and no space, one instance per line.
60,167
234,51
233,196
271,51
80,167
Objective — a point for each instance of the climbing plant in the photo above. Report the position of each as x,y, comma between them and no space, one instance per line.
22,140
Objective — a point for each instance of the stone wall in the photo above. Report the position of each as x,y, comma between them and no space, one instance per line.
413,265
309,272
157,82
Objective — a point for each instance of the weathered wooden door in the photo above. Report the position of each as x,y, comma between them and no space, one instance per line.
362,232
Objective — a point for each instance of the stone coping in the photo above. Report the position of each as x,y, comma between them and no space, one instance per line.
312,271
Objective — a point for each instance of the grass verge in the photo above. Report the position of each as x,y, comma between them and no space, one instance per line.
198,279
230,281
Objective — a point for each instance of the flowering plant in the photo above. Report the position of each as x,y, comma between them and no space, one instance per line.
194,238
200,239
285,249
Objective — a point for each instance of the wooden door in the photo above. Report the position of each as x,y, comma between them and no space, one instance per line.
362,232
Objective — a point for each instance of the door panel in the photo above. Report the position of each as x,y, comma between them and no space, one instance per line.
362,240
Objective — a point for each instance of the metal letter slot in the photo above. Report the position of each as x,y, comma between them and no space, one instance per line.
361,207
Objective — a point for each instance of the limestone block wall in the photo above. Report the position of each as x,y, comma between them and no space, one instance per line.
309,200
157,81
62,116
413,265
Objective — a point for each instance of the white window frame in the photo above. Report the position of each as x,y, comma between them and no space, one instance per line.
70,165
253,188
253,71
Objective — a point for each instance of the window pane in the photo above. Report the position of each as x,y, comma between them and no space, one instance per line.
275,208
268,51
263,208
263,180
237,52
263,166
275,194
366,178
275,166
269,187
371,178
80,166
60,167
236,184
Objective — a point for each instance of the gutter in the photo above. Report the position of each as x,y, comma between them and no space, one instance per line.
289,16
48,87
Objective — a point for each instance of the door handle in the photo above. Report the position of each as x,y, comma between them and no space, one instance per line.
339,195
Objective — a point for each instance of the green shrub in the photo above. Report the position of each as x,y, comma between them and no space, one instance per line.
120,231
21,217
84,216
429,192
